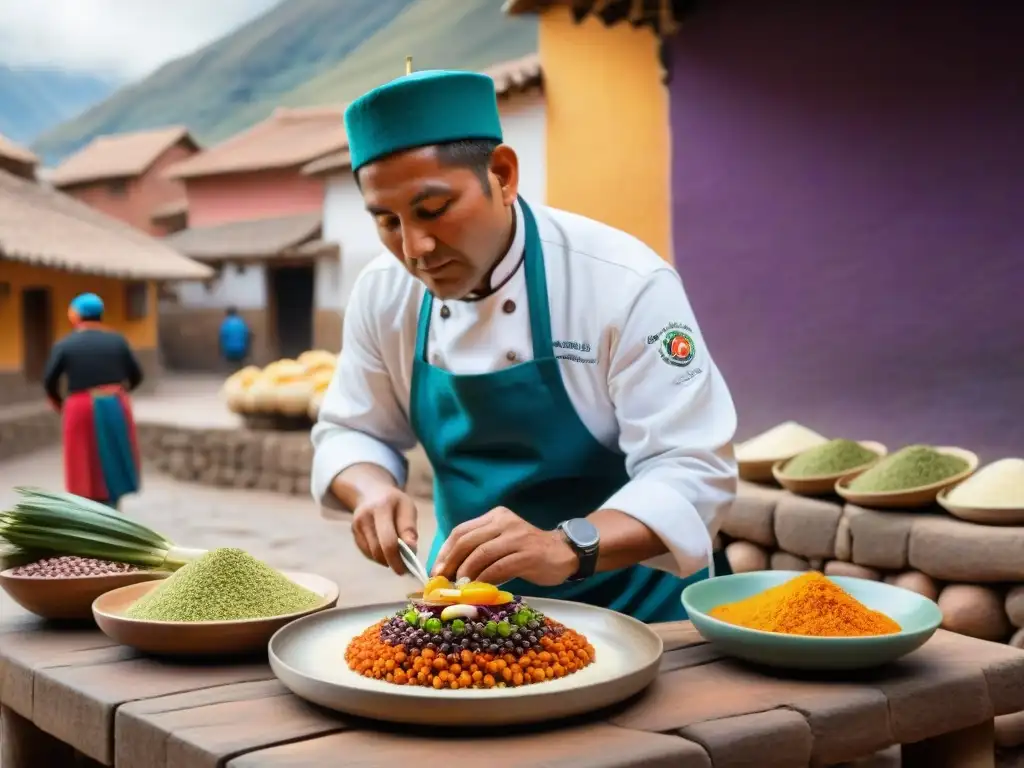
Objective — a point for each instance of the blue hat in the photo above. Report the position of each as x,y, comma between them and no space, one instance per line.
88,306
421,109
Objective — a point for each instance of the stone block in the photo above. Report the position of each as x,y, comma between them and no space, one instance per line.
841,568
807,527
783,561
915,581
880,539
844,539
953,550
1015,605
1010,730
745,556
974,610
751,516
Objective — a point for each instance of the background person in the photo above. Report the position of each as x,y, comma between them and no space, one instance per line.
235,339
101,457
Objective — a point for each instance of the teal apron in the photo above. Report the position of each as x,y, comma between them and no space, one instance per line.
513,438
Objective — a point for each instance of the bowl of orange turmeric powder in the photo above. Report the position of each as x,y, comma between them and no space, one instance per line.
794,620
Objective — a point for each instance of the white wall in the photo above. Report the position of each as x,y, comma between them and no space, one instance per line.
524,122
241,287
347,223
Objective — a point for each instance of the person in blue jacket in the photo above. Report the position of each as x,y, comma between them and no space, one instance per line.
235,339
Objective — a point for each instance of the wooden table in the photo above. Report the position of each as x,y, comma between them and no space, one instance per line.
72,691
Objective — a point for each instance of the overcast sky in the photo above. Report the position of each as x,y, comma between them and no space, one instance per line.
123,39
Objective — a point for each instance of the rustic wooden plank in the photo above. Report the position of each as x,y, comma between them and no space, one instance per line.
677,634
778,738
29,650
1002,665
938,689
690,656
22,745
77,703
972,747
846,719
202,729
590,746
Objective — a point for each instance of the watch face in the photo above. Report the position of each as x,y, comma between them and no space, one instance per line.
582,532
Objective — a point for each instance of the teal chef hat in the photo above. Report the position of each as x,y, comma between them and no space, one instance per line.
420,109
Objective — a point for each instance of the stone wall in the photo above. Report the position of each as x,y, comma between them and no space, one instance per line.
244,458
975,572
26,429
188,336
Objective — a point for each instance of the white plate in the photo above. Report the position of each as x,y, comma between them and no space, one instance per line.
308,656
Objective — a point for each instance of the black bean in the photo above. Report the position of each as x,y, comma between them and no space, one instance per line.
532,624
447,634
445,647
493,648
430,646
517,636
509,644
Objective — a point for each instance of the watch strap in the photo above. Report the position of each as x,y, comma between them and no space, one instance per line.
587,556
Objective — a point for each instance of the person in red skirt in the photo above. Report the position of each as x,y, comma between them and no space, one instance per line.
99,369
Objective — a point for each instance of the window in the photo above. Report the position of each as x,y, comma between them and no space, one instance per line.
136,301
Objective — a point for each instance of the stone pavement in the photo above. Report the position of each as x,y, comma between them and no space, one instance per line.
287,532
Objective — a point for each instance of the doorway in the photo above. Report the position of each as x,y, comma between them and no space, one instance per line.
292,295
36,330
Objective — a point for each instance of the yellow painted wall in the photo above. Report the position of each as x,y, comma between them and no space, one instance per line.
64,286
608,134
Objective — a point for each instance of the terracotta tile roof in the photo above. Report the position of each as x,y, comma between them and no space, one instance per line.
288,138
16,152
254,239
662,16
509,77
118,156
40,225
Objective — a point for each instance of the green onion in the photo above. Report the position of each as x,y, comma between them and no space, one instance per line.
65,524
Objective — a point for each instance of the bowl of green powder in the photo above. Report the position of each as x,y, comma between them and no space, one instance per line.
814,472
224,603
909,478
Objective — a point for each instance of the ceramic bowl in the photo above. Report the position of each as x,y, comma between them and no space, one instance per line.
822,485
69,598
199,638
917,616
910,498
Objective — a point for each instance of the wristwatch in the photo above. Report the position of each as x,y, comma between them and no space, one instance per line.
582,535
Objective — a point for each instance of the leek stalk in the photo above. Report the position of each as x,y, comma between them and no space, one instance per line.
65,524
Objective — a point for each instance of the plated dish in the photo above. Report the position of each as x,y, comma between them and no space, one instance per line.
468,635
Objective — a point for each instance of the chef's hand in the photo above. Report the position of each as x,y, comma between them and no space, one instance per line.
500,546
379,519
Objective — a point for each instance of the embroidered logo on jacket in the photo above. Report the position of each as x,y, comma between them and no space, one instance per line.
675,344
574,351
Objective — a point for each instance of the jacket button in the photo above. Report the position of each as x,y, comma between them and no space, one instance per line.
510,356
508,307
445,313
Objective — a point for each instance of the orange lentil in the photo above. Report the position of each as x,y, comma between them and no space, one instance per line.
561,655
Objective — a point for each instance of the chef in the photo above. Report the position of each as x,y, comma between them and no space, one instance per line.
550,365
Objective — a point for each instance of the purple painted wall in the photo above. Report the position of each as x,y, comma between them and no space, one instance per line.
849,213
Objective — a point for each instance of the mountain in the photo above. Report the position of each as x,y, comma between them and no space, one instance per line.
301,53
33,100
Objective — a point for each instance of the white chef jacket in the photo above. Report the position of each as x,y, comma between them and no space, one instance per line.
611,300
